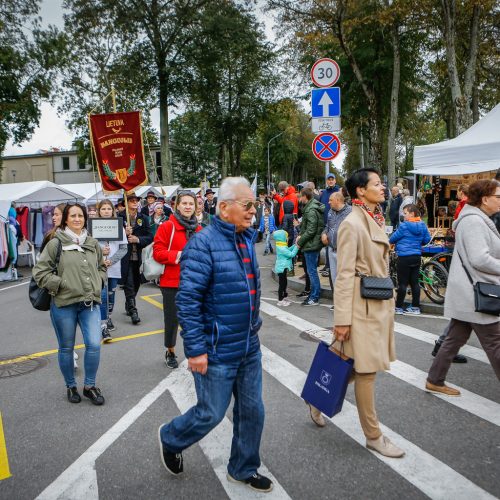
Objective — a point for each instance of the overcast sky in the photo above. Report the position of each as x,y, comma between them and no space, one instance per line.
52,131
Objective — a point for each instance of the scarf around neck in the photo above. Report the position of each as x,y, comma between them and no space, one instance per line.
376,215
77,239
189,225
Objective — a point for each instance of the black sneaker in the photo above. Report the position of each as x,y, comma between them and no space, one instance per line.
257,482
106,336
437,345
459,358
73,396
135,317
309,303
110,325
94,394
171,360
325,273
173,462
303,294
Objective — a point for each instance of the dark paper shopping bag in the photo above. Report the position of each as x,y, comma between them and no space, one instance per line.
327,380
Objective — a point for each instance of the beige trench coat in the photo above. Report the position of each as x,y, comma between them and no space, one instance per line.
363,247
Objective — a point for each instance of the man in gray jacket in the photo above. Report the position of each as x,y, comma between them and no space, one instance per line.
339,210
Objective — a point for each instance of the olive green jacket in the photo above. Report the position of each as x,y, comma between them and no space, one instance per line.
80,275
312,226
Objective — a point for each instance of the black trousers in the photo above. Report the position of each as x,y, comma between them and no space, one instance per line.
283,283
170,316
408,270
132,281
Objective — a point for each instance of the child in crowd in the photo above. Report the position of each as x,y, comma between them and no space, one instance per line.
267,227
284,256
409,238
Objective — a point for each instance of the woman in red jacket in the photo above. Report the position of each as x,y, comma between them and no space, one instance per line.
169,242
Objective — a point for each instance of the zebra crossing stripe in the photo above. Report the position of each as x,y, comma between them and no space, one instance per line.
473,403
431,476
414,333
217,444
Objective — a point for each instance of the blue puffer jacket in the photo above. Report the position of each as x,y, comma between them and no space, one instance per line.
213,302
410,237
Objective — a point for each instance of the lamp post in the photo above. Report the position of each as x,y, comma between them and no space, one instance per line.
268,162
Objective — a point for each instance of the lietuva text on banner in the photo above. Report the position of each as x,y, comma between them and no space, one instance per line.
118,148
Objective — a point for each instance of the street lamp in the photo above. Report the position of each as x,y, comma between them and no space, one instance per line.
268,163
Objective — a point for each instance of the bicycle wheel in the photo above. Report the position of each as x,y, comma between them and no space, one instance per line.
434,279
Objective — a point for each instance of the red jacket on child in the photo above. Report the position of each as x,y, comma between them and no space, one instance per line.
166,249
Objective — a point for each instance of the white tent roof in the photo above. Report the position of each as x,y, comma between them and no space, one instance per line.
86,189
475,150
36,192
169,190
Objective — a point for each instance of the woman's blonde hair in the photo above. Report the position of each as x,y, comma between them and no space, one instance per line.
105,202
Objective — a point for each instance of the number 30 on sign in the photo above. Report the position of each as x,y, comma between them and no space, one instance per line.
325,72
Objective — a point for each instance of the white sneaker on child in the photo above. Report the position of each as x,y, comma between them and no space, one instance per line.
280,303
286,302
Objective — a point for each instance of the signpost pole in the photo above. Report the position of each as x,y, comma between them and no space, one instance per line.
327,168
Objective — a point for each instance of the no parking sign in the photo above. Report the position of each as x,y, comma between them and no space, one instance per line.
326,146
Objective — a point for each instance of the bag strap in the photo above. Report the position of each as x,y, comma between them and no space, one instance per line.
58,257
171,236
465,269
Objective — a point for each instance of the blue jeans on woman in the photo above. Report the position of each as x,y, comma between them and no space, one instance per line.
241,379
108,298
312,271
65,320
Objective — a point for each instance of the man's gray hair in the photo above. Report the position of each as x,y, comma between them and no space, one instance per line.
227,189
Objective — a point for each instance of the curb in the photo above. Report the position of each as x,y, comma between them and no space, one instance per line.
298,285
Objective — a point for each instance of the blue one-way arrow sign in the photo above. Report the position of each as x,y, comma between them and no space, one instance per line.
325,102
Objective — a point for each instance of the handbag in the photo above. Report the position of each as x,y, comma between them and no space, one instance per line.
150,268
326,382
40,298
486,295
373,287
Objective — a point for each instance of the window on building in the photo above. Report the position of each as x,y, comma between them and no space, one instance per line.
65,162
158,159
81,164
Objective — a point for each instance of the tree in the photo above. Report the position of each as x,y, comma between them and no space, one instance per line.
27,63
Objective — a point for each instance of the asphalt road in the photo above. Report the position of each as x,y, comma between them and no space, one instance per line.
53,449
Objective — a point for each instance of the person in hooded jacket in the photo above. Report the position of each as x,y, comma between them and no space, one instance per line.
288,218
409,238
284,263
289,194
309,241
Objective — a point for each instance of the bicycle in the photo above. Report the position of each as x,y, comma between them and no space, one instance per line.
433,277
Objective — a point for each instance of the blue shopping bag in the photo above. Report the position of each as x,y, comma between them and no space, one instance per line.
327,380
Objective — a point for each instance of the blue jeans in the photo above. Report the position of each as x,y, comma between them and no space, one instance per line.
312,271
243,380
268,247
108,297
65,320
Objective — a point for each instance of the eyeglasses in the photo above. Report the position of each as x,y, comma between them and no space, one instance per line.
247,205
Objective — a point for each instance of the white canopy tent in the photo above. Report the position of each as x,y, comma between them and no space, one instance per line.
36,192
475,150
89,190
169,190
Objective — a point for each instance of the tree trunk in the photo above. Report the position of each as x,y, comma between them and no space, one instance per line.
475,104
396,76
166,167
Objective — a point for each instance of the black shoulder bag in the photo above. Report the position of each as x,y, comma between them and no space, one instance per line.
486,295
375,288
40,297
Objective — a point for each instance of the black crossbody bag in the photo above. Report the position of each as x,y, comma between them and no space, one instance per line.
375,288
486,295
40,297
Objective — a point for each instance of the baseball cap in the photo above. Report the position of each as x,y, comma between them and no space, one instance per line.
330,176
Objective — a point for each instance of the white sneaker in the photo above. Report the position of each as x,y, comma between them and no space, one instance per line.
286,302
384,446
280,303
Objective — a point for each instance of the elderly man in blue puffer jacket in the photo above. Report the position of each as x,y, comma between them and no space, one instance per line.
218,310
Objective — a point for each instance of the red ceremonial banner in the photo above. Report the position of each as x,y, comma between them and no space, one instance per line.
117,142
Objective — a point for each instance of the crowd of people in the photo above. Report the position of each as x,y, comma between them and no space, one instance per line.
211,289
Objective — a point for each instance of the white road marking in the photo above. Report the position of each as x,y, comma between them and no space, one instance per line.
427,473
14,286
476,405
217,444
430,338
79,480
82,470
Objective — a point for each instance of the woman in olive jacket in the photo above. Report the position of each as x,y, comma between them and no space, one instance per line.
76,290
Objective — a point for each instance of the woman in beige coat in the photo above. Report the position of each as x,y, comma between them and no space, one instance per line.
365,326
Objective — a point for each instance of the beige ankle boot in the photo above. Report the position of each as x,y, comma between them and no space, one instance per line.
384,446
316,416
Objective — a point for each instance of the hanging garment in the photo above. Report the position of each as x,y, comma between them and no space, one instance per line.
22,218
47,213
38,229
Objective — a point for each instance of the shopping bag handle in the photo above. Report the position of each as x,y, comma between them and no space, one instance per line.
340,352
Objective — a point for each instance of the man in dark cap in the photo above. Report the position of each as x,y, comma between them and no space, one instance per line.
148,209
139,236
210,202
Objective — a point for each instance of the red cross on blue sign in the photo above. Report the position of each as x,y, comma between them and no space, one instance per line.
326,146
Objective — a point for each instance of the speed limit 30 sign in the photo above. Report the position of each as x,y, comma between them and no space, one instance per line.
325,72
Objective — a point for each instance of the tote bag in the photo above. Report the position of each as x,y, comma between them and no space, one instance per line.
327,380
150,268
